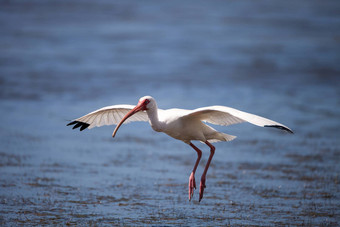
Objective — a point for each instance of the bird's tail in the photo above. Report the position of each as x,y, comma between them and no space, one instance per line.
219,136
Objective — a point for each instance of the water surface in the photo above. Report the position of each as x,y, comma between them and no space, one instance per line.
60,60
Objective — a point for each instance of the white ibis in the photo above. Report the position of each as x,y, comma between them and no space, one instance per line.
185,125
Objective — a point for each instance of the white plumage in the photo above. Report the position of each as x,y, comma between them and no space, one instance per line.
181,124
111,115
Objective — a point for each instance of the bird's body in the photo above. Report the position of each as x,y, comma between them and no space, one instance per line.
178,124
181,124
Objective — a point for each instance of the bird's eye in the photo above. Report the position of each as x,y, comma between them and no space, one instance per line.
147,101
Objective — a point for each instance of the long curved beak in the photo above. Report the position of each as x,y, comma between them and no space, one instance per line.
140,106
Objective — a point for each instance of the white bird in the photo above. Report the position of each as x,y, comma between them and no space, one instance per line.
181,124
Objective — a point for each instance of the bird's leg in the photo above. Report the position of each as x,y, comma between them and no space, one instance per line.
192,183
202,184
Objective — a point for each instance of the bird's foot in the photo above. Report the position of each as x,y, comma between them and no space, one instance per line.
202,187
192,185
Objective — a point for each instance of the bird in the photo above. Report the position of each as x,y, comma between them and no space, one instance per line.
181,124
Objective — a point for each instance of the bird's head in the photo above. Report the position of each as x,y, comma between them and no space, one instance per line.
144,103
147,102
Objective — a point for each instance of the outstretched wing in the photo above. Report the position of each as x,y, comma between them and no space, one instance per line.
222,115
109,115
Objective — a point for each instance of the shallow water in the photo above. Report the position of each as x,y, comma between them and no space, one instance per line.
60,60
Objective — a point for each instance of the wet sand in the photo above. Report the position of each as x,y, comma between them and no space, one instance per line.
60,60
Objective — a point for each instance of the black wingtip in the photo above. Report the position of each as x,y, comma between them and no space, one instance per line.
72,123
78,124
280,127
84,126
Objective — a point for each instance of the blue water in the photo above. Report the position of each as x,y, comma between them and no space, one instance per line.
60,60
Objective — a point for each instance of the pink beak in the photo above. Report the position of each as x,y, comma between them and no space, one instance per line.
140,106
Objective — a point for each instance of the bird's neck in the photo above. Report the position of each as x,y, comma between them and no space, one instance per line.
153,119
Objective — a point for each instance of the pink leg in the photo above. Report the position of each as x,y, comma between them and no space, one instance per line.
192,183
202,184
